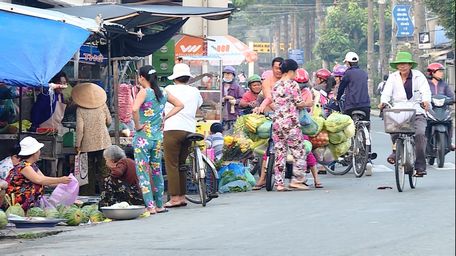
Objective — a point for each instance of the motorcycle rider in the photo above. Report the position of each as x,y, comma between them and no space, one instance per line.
410,85
435,74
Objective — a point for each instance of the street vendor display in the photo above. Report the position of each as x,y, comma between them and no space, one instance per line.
92,136
25,180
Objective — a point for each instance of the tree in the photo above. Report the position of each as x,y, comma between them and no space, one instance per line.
445,10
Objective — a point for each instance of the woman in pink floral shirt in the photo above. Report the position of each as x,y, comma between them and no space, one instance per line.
287,134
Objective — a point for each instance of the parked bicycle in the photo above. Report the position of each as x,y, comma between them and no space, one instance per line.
202,176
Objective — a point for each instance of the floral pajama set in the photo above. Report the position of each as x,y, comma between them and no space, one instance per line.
286,130
147,149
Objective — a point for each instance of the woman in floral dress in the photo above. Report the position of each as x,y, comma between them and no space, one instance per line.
287,135
148,116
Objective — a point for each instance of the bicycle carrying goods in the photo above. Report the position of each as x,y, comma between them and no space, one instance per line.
399,120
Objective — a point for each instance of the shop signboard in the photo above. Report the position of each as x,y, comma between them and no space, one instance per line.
403,20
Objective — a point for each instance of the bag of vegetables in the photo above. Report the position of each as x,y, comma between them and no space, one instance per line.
337,137
321,140
340,149
337,122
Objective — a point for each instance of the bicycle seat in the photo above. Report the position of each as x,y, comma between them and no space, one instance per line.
360,113
194,137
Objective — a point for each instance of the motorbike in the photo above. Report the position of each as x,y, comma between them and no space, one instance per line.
438,129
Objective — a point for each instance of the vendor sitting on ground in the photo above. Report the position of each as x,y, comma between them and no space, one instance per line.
249,100
122,183
25,180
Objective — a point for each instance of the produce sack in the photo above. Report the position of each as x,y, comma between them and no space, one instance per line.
340,149
264,129
320,122
337,137
336,122
307,146
235,186
350,130
253,121
311,129
65,194
231,172
321,140
323,155
250,179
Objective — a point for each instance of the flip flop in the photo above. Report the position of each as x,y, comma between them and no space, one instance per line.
259,187
299,187
162,211
170,205
318,185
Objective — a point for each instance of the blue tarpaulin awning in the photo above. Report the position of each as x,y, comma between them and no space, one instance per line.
36,45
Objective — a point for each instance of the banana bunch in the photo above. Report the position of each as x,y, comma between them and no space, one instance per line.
244,144
253,121
228,141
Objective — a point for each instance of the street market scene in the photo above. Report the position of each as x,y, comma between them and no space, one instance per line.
227,127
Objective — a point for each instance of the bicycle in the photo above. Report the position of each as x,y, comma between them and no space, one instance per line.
202,176
401,122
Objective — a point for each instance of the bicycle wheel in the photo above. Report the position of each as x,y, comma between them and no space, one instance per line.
400,165
360,153
196,186
270,172
341,167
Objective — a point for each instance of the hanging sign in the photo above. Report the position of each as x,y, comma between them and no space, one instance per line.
401,14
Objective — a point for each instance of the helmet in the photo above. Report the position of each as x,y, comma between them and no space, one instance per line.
266,74
339,70
434,67
229,69
301,76
323,74
254,78
351,57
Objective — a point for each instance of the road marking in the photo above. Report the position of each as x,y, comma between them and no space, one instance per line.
382,168
382,133
447,166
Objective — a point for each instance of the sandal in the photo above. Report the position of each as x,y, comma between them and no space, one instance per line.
259,187
318,185
174,205
391,158
282,189
298,186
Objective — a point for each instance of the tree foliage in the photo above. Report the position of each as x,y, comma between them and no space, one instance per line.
445,10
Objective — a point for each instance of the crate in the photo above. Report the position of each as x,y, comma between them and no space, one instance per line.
399,120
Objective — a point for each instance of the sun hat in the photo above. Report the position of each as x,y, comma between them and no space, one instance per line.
29,146
351,57
403,57
179,70
88,95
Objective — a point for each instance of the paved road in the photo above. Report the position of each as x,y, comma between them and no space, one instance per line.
350,217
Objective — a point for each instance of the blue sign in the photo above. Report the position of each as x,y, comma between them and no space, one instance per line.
91,54
401,14
296,55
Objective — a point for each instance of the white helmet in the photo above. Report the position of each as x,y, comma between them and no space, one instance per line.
351,57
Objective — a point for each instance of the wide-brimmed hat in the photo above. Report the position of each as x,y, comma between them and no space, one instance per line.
403,57
29,146
88,95
179,70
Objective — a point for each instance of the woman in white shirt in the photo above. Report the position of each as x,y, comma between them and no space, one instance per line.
176,129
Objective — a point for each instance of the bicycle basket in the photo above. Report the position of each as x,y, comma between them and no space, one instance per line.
399,120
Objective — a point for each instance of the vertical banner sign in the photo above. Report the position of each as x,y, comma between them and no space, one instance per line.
401,14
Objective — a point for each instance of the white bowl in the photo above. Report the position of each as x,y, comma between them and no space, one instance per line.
132,212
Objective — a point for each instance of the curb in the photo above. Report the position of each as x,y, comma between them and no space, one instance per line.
10,232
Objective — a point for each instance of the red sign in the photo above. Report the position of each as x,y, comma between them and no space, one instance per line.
189,46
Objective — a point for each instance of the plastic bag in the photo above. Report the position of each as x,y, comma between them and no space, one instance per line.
250,179
235,186
340,149
336,122
304,118
311,129
350,130
231,172
337,137
323,155
65,194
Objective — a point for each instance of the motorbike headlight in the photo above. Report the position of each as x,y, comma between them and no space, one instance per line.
438,102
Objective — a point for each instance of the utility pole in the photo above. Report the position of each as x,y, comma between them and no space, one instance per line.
286,30
370,46
381,37
393,32
420,26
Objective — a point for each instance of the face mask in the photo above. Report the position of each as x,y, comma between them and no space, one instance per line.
302,86
227,80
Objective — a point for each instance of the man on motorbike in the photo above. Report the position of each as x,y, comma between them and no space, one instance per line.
410,86
435,74
354,86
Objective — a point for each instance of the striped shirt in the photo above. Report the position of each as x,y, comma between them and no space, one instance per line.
215,141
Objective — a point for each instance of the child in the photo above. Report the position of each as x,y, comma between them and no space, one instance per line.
8,163
215,140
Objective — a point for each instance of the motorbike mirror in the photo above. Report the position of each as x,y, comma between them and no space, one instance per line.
373,156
